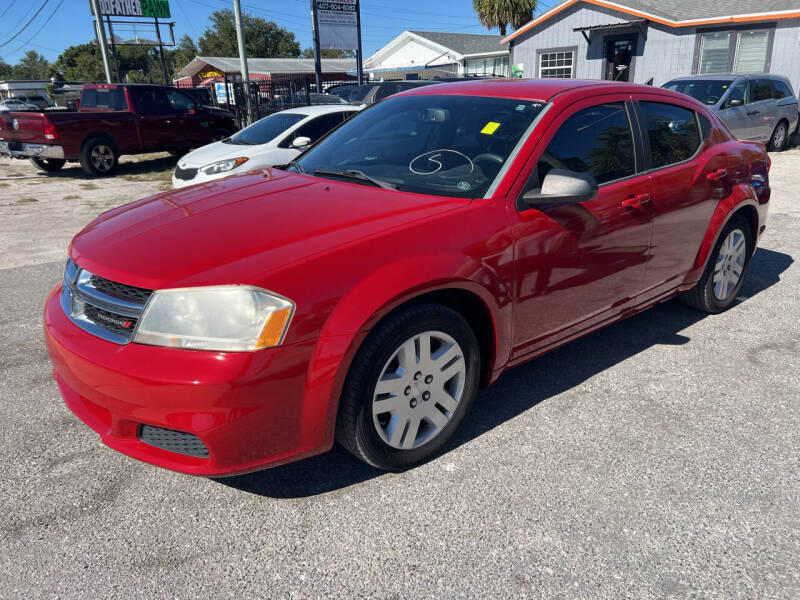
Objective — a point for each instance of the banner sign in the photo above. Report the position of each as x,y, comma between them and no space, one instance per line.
337,24
136,8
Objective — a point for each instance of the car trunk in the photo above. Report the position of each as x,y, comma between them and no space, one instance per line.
29,127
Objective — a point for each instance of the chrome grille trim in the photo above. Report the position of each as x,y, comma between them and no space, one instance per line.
106,315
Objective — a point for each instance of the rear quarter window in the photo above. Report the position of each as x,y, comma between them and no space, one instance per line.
782,90
672,132
110,98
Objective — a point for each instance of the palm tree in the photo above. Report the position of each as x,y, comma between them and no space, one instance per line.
499,13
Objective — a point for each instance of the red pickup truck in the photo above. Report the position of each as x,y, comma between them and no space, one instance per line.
112,120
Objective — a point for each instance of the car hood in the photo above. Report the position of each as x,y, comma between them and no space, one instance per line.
239,229
217,151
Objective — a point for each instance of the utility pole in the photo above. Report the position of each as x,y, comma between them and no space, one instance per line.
359,56
237,11
100,31
317,60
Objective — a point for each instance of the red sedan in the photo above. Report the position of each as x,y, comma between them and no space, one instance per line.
367,292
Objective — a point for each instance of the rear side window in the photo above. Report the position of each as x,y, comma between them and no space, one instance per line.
762,89
596,140
672,131
782,90
112,98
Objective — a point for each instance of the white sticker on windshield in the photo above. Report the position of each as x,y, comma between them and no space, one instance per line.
464,186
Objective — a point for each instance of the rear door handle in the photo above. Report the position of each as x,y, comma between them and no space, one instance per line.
753,113
717,175
636,201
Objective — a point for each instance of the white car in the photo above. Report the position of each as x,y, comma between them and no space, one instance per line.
273,140
12,104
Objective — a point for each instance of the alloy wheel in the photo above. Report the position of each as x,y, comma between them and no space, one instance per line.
419,390
780,137
102,157
730,264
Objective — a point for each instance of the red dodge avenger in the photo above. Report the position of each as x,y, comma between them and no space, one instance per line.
365,293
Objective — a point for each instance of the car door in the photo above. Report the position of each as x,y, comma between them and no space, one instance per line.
190,127
688,179
761,110
734,110
157,122
580,264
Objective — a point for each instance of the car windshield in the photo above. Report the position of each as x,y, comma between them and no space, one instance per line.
266,129
442,145
707,91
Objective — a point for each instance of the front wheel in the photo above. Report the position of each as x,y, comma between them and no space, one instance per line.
51,165
726,269
409,388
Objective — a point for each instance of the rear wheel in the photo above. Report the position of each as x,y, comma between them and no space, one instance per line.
780,137
98,156
726,269
409,388
51,165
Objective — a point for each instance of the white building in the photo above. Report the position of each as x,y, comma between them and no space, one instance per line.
425,55
23,87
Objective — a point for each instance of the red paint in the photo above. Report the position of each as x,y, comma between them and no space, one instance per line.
348,254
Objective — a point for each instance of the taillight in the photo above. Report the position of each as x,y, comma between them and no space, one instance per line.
50,132
769,163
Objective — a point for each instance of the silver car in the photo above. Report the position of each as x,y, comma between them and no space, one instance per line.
759,107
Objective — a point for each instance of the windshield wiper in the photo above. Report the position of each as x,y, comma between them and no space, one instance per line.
358,175
296,165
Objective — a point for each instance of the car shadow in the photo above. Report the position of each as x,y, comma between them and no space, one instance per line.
521,388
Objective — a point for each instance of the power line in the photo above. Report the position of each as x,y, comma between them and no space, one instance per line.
16,35
10,4
52,14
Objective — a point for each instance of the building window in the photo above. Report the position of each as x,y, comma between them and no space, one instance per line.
739,51
487,66
557,64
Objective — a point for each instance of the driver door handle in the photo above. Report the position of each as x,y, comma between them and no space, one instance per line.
636,201
753,113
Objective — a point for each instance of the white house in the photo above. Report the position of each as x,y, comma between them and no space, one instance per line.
425,55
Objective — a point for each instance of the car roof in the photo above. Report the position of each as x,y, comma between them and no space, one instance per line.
320,109
730,76
528,89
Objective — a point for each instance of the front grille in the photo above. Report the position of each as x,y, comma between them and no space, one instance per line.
120,290
173,441
185,174
104,308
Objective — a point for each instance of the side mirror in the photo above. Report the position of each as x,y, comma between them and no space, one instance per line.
191,110
301,142
563,187
735,102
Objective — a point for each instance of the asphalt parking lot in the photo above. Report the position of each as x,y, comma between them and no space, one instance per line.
659,457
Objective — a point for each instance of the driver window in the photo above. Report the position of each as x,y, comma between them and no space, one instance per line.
741,91
180,102
596,140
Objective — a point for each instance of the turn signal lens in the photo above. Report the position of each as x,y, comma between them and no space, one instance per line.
274,328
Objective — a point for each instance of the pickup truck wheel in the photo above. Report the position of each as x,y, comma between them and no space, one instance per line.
51,165
98,157
777,143
726,269
409,388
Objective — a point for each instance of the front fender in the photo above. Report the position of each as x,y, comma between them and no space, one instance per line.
376,296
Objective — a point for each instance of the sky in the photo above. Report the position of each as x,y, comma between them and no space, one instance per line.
57,24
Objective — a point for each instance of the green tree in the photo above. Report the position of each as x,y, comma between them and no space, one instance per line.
501,13
32,66
5,70
184,53
81,62
262,38
328,53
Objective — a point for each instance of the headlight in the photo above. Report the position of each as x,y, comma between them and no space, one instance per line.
228,318
223,166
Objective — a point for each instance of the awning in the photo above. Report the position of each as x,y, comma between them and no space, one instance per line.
640,24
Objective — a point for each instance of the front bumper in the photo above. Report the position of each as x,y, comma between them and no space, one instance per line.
20,150
251,410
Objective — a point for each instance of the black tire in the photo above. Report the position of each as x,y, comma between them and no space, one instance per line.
780,137
99,156
355,428
51,165
702,296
